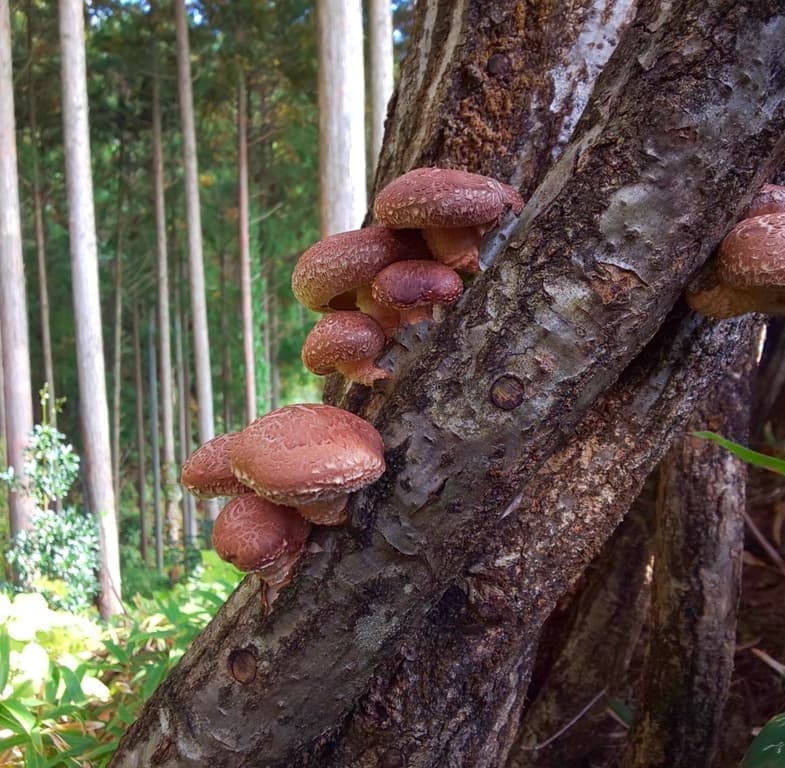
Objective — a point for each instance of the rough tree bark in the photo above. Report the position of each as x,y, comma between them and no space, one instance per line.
93,407
517,432
18,395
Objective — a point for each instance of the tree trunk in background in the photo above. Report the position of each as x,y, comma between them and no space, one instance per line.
226,357
342,177
519,430
380,41
155,451
117,362
141,487
275,371
87,306
267,336
204,386
18,396
243,237
40,239
169,473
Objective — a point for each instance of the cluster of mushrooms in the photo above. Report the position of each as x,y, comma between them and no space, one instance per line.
297,465
748,274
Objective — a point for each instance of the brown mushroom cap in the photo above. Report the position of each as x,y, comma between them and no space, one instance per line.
328,274
409,284
347,342
207,472
436,197
256,535
752,255
308,454
770,199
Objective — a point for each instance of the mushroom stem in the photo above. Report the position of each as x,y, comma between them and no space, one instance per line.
457,247
387,317
416,315
362,371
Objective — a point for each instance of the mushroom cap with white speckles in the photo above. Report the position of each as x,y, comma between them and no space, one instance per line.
327,273
207,472
437,197
302,454
255,534
341,337
752,255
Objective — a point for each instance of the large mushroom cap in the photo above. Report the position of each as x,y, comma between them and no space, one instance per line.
307,454
328,273
348,342
770,199
752,255
207,472
254,534
436,197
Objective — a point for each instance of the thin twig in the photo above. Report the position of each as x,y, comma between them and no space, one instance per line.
566,727
764,542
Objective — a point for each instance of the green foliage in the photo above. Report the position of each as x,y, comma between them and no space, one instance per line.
70,686
768,748
58,557
745,454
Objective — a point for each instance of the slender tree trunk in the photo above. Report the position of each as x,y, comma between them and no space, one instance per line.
341,115
87,306
520,430
155,450
226,357
18,395
697,581
243,236
140,437
267,336
204,386
117,363
40,238
380,28
275,373
172,493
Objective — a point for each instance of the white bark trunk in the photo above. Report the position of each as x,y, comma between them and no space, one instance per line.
13,300
93,408
245,253
380,28
341,115
169,469
204,385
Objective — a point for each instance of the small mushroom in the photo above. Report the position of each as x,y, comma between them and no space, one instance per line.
453,208
415,287
749,272
258,536
336,272
310,457
347,342
770,199
207,473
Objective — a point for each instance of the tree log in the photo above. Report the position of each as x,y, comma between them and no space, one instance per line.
683,124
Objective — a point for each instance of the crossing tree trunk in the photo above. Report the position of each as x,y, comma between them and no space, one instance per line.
519,431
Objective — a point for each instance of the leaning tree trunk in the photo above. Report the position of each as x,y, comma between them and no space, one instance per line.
93,409
519,431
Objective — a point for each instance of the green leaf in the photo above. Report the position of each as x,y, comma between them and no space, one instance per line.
15,711
622,711
745,454
73,687
768,748
5,654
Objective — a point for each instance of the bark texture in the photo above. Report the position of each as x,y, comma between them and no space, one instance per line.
697,578
13,297
93,407
410,639
341,115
